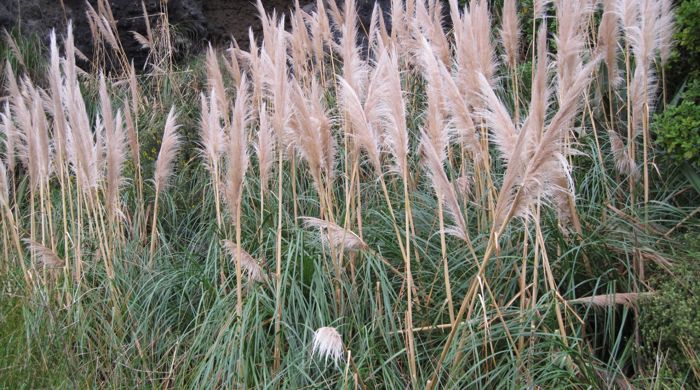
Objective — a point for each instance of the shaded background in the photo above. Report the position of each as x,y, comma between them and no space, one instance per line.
195,21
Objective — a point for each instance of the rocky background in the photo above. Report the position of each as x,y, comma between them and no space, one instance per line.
196,22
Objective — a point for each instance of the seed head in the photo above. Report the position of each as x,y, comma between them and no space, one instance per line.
328,344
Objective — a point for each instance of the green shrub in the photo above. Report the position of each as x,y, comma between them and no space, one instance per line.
670,322
678,127
685,58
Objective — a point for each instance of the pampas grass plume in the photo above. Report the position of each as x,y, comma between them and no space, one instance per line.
328,344
251,267
510,32
168,151
335,235
45,256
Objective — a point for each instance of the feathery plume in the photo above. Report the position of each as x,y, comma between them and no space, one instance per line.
276,81
82,146
306,136
309,130
399,30
134,89
103,27
383,36
372,39
265,148
69,67
168,151
503,130
628,12
328,344
34,132
608,37
539,98
364,132
211,132
623,162
510,32
474,52
354,69
434,125
147,21
251,267
300,41
10,134
607,300
255,69
460,116
267,23
539,7
394,108
234,68
481,34
115,142
335,235
4,186
45,257
142,40
216,81
320,31
320,116
15,105
443,188
665,29
133,138
570,40
14,48
56,88
642,37
429,22
237,150
536,165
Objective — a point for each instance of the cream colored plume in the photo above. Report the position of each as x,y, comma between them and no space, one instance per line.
45,257
328,344
251,267
168,151
335,235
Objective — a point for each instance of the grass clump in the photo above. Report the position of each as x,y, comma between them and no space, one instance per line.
311,213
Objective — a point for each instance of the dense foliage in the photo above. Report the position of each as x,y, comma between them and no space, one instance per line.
677,128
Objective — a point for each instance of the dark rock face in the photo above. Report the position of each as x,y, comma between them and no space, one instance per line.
196,21
38,17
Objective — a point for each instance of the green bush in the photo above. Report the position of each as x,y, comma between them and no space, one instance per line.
678,127
670,322
685,58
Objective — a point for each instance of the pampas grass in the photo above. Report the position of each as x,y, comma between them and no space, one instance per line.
10,137
627,299
335,236
169,147
248,264
236,168
328,344
265,152
510,32
45,257
366,181
115,147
